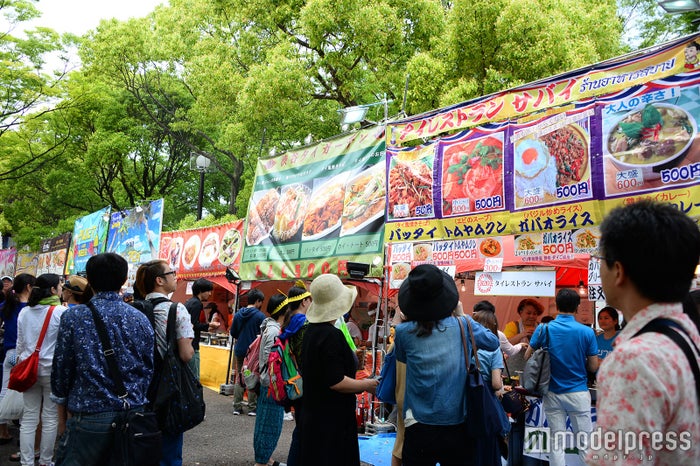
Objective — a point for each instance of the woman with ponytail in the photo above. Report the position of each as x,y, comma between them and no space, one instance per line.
43,299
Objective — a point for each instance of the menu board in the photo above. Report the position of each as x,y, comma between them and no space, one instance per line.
203,252
89,238
52,258
313,210
541,249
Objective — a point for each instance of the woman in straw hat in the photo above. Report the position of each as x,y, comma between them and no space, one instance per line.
329,427
430,344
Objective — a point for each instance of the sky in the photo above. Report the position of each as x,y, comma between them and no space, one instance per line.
79,16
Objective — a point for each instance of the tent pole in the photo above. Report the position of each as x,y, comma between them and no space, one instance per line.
230,349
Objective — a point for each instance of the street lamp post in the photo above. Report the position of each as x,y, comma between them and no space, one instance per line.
201,165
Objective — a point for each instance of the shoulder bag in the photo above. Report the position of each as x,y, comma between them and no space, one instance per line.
513,402
137,438
485,415
386,389
537,371
179,402
23,376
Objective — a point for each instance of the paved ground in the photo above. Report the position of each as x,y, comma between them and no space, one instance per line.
221,440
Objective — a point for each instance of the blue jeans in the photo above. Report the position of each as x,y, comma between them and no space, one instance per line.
88,440
172,450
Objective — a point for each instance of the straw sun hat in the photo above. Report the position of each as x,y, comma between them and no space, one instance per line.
331,299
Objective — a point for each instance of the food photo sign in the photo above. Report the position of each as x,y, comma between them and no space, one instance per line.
52,258
314,209
203,252
650,137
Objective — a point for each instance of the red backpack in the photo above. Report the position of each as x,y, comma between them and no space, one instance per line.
285,380
251,365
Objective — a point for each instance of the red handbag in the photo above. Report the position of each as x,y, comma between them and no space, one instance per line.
23,376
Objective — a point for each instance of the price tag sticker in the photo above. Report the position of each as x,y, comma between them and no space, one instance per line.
629,179
493,264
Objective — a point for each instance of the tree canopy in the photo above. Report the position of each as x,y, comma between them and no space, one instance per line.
231,79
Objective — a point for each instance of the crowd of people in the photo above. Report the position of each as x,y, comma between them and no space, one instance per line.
646,381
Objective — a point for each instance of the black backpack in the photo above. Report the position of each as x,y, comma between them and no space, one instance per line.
146,306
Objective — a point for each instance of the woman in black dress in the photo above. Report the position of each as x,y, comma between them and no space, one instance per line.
329,427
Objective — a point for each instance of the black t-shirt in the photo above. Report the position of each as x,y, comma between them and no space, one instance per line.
327,359
194,307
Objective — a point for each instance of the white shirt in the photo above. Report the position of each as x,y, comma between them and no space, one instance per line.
646,387
507,347
29,324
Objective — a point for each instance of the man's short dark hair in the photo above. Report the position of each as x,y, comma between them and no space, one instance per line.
106,271
567,300
201,285
657,245
254,296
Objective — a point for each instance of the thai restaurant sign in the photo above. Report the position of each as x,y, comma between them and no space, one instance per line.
533,183
522,283
314,209
89,238
604,78
52,258
203,252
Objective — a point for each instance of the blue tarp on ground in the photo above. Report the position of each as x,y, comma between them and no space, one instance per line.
376,449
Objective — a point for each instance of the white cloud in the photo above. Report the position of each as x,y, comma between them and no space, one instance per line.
80,16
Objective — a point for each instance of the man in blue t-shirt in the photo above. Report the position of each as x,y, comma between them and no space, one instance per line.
572,351
245,328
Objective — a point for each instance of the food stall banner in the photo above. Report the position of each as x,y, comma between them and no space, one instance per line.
52,258
7,262
135,234
314,209
203,252
521,283
564,248
27,262
89,238
602,78
561,168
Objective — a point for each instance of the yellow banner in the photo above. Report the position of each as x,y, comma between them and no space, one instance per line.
526,100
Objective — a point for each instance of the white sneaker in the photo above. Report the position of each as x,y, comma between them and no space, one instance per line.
288,416
251,413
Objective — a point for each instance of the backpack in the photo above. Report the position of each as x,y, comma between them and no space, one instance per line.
146,306
251,365
286,384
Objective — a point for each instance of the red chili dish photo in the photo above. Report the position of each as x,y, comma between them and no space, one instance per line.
470,171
